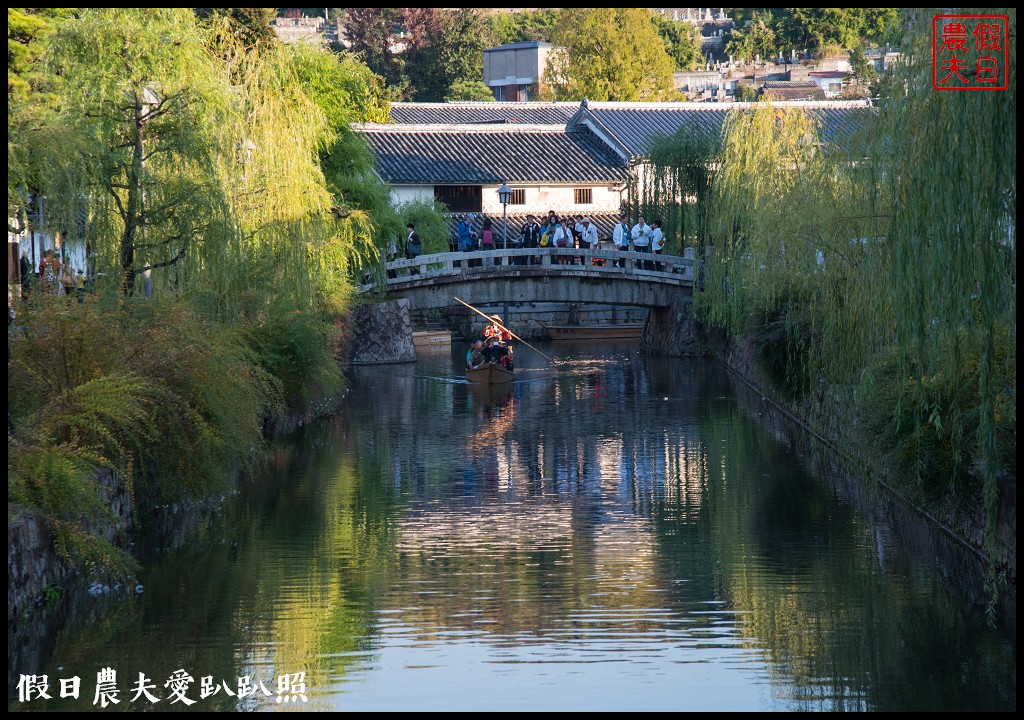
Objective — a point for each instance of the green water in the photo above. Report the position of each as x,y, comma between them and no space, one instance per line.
611,532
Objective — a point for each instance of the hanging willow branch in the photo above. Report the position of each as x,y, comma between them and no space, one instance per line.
881,264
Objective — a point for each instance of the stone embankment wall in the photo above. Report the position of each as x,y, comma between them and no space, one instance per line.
382,334
672,331
33,565
962,520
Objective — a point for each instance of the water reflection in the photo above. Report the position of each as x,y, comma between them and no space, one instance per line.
607,532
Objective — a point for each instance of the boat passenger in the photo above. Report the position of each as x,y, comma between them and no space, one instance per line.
475,346
505,358
490,351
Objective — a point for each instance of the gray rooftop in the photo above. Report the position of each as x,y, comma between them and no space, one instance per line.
490,154
634,125
457,113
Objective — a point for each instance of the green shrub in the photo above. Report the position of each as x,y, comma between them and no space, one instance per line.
141,384
783,343
927,423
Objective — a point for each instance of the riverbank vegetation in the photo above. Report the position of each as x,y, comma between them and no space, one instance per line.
874,271
207,173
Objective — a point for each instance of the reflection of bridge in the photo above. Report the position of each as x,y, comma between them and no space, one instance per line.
429,281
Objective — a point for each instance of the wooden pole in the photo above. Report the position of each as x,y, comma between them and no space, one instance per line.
478,312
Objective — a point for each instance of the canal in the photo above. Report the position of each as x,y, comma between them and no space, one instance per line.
610,532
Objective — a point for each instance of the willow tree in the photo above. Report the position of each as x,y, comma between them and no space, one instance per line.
885,272
945,162
138,136
677,186
773,196
608,54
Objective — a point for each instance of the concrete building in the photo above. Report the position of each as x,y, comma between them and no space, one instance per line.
515,72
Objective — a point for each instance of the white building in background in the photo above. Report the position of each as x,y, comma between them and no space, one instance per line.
831,82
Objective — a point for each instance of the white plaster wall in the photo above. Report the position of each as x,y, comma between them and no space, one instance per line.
544,198
408,193
538,199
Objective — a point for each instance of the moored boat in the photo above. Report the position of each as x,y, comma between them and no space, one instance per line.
490,374
429,339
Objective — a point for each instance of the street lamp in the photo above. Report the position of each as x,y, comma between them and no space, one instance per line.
504,195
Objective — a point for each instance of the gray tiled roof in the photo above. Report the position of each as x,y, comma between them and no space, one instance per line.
635,125
459,113
489,154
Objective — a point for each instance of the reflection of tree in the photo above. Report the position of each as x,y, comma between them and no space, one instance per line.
634,504
840,632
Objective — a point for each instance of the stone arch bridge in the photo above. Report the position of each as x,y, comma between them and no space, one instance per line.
661,283
430,281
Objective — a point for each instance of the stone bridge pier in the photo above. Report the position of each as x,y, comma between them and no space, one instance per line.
672,332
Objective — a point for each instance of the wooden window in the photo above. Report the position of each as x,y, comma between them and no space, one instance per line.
583,196
518,197
460,198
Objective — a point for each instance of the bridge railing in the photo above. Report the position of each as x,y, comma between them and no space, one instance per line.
564,261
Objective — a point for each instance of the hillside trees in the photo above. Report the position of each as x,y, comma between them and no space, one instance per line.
682,41
609,54
420,52
447,49
817,30
508,28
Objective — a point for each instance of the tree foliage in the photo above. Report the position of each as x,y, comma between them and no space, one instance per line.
448,48
469,90
138,133
880,272
420,52
30,104
757,39
608,54
508,28
823,31
371,34
682,41
226,168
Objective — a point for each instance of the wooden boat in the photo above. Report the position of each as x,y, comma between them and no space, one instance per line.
490,374
432,339
603,332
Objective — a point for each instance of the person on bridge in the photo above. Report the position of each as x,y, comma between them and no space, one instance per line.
590,238
413,247
531,236
467,236
657,243
392,255
641,234
563,239
487,241
621,237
